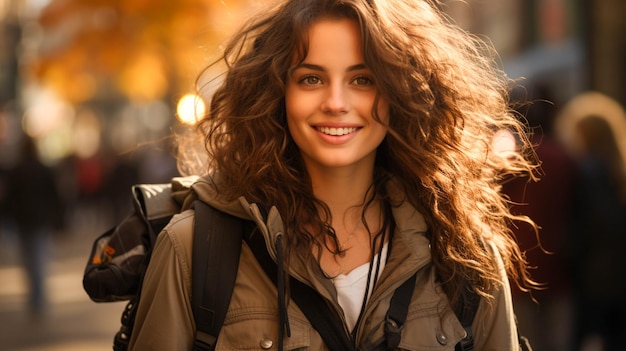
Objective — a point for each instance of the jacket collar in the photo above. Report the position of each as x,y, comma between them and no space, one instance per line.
410,247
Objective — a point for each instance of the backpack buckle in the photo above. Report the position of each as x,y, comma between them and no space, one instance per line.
392,333
204,341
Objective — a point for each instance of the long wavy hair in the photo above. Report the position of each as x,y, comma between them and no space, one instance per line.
447,100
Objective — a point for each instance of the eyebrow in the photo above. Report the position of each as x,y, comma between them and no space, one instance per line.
322,69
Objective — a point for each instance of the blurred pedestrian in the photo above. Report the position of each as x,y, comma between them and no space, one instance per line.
33,205
546,316
594,126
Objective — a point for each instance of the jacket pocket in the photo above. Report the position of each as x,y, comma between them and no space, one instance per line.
257,329
427,329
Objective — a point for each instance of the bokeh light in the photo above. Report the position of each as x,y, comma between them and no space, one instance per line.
190,109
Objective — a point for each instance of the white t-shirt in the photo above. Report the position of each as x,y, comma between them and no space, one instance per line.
351,287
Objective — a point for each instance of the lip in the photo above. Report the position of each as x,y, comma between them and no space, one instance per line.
336,134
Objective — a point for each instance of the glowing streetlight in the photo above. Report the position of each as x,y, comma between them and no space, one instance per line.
190,109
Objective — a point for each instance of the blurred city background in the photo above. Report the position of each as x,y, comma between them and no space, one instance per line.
93,90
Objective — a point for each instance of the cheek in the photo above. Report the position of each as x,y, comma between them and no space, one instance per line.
293,117
383,111
383,115
295,104
291,124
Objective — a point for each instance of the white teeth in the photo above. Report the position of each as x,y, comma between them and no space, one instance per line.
336,131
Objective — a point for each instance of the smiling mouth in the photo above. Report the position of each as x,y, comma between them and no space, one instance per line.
336,131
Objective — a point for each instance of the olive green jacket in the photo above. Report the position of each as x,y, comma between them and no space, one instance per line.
165,320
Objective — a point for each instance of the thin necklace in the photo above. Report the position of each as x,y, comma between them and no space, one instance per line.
342,244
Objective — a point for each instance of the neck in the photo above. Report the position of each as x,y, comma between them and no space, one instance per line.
342,191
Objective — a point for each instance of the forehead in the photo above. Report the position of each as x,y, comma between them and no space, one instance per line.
332,37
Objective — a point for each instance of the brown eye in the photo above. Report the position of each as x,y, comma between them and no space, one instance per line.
310,80
363,80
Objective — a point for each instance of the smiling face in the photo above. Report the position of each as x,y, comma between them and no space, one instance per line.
329,100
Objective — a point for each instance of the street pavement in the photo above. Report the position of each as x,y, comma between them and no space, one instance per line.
72,322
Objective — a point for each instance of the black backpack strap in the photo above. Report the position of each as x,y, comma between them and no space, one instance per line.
215,260
465,311
310,302
398,309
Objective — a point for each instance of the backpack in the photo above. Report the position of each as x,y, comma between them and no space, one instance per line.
120,256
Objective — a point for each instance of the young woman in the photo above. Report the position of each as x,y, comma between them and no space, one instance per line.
365,127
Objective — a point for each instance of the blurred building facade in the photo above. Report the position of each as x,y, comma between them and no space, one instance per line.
568,46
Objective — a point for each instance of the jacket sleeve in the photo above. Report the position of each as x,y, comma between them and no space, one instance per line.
164,319
495,326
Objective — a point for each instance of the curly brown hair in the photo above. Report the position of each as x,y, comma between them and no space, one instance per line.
447,99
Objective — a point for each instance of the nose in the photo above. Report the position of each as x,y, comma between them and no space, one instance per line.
337,100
